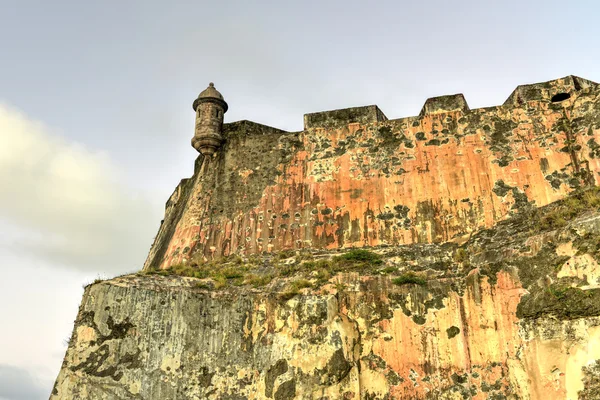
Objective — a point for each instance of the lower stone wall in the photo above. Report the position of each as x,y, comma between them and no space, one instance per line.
512,313
158,338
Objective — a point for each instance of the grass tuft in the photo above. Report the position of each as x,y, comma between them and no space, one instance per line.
409,278
566,210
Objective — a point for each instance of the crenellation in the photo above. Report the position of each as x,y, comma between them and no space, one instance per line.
245,127
444,104
336,118
551,91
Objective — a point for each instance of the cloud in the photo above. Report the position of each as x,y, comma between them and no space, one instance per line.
67,204
16,384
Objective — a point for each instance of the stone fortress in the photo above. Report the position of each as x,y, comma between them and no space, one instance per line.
450,255
354,178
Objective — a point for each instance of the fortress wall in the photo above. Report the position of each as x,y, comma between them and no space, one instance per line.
431,178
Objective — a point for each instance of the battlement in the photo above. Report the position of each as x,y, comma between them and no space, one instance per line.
245,127
444,104
344,116
552,91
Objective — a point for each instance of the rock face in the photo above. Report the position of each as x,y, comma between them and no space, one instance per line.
514,313
353,178
452,255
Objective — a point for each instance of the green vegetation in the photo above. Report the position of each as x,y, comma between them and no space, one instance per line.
409,278
389,270
294,288
563,211
563,302
588,243
258,280
361,256
340,287
461,255
322,277
220,281
300,284
430,271
260,270
452,331
203,285
354,260
229,270
286,254
233,273
558,291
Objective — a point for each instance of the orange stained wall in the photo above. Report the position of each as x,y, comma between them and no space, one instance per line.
432,178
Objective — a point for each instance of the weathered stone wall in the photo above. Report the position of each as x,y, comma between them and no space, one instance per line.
439,308
353,178
489,325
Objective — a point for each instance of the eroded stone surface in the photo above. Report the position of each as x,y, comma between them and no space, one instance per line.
469,291
354,178
487,325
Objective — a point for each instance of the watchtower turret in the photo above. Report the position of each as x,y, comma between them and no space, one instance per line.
210,107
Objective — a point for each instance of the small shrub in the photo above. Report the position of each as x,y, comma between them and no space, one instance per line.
287,270
389,270
588,243
286,254
559,291
203,285
67,341
237,281
552,221
322,276
562,212
294,289
288,294
220,281
461,255
319,265
356,259
305,256
340,287
592,198
361,255
232,273
309,265
258,280
201,274
409,278
254,259
300,284
183,270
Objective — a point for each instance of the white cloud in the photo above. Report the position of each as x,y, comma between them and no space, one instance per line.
17,383
67,204
61,205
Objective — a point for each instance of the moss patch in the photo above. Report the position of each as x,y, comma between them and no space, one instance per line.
561,302
452,331
409,278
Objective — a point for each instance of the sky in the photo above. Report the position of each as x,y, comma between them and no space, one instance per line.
96,116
